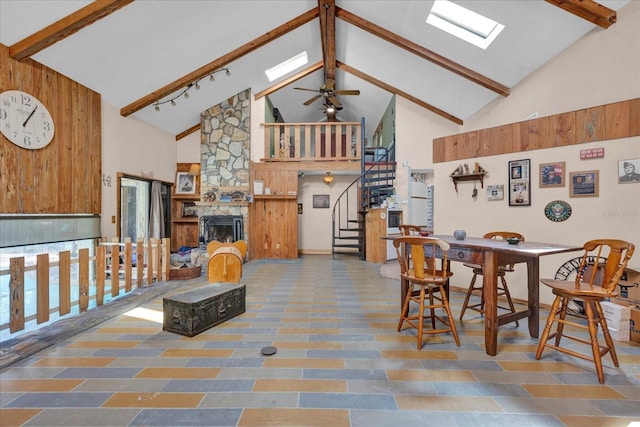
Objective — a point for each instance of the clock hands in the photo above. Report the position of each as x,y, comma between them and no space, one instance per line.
26,121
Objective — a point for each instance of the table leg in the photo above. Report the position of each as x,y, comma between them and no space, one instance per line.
533,278
490,289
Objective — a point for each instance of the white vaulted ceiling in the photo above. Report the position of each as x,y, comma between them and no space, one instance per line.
149,44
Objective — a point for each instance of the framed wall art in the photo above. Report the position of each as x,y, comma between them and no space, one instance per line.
495,192
520,182
552,174
628,171
321,201
185,183
583,184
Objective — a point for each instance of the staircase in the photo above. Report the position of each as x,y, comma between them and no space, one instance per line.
375,183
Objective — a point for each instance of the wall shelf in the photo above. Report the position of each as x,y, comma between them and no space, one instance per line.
468,177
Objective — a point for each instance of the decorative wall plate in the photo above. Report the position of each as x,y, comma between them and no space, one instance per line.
557,210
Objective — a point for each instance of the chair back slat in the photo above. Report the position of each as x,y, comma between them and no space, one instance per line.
605,273
411,256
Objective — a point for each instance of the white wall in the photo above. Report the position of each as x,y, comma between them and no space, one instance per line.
132,147
314,225
600,68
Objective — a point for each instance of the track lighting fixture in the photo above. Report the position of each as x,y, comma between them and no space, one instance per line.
195,84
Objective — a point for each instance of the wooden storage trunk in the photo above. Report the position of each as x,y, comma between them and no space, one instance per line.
192,312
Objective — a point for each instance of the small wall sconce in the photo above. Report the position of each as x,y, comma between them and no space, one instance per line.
328,178
194,170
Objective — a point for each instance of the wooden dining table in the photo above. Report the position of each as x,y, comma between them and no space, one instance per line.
492,253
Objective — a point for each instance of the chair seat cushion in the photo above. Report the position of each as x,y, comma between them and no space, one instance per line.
568,288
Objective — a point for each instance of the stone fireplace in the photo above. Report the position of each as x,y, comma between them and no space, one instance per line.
224,173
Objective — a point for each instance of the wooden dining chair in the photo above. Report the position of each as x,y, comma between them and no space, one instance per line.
430,282
410,230
591,286
478,270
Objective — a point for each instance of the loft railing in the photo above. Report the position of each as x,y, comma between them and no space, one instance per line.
79,283
326,141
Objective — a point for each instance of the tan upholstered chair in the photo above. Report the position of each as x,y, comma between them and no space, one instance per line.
478,270
591,286
425,285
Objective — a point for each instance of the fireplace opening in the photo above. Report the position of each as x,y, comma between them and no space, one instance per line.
223,228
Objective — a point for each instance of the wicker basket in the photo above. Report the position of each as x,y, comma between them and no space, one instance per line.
185,273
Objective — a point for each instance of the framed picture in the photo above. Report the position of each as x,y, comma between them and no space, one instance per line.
628,171
552,174
520,182
583,184
185,183
495,192
321,201
189,210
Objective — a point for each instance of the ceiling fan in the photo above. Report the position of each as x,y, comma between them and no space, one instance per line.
328,91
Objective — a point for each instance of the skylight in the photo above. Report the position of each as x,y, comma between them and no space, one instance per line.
287,66
464,23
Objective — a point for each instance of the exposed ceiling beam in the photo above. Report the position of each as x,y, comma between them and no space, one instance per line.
422,52
398,92
64,28
219,63
327,10
589,10
189,131
268,91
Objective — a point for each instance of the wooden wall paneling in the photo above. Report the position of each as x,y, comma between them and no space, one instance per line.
617,123
601,123
65,176
634,117
590,124
565,129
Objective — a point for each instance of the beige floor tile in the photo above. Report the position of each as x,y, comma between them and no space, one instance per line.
573,391
309,345
154,400
577,421
204,336
196,352
17,417
419,354
430,375
103,344
282,417
125,330
201,373
304,363
446,403
74,361
315,386
539,366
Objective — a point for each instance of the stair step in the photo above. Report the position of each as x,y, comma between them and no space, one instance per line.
356,230
348,245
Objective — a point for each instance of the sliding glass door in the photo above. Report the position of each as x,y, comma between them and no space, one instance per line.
135,208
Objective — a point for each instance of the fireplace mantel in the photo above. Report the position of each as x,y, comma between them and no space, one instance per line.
223,203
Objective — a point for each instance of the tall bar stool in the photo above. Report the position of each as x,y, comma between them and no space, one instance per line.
478,270
587,290
431,281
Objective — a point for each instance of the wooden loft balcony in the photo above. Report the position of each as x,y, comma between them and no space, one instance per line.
313,143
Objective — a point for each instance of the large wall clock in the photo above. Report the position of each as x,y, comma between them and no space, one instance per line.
24,120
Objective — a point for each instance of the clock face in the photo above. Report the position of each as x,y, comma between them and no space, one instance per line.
24,120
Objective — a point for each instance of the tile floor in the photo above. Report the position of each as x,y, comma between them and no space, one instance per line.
340,362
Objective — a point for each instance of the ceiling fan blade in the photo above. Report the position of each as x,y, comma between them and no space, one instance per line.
302,88
329,85
309,101
347,92
334,101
